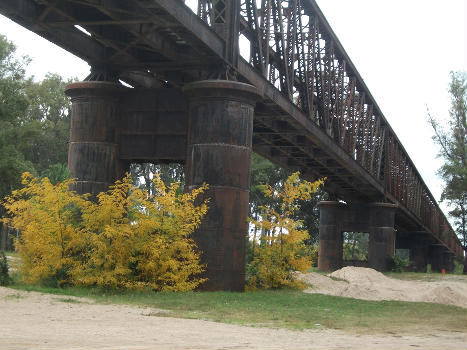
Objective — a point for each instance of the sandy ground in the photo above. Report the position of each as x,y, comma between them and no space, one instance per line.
368,284
31,320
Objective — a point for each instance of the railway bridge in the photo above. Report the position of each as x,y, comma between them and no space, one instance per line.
295,98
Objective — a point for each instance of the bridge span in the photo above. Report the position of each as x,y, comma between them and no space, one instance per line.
297,100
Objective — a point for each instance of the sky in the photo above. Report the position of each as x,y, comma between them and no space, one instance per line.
403,49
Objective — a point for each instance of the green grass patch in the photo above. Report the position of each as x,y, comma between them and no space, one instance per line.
426,277
285,309
338,279
415,276
14,261
12,254
13,296
68,300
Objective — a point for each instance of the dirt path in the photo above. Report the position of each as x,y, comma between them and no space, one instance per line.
30,320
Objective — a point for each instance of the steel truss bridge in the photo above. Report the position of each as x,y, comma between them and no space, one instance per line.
316,114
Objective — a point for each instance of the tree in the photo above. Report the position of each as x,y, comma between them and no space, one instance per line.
34,125
355,246
34,120
263,172
47,119
13,106
282,250
453,149
143,174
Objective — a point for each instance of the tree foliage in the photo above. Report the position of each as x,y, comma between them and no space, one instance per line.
34,124
34,120
13,106
264,172
355,246
127,239
4,275
282,250
143,173
47,119
50,231
453,149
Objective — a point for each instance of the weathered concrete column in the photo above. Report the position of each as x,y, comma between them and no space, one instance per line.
381,245
220,130
448,261
93,151
330,236
375,218
419,245
436,257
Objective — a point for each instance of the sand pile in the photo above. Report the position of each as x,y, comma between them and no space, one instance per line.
368,284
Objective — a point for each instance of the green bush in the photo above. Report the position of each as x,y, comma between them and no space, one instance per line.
4,276
458,267
398,264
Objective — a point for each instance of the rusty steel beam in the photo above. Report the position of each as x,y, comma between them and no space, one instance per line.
296,62
27,13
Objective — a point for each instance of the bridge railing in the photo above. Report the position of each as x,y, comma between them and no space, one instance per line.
295,49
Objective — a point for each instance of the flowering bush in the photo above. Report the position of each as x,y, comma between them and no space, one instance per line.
126,239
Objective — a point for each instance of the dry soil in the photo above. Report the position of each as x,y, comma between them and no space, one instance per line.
31,320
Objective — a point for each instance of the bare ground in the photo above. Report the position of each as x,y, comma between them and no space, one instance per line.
31,320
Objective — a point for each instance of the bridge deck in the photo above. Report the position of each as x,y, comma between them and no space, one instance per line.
317,115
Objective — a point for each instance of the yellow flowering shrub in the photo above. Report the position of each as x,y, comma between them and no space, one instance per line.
51,233
141,241
282,251
125,239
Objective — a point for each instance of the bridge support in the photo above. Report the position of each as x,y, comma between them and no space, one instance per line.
93,152
376,218
219,150
440,258
330,236
448,259
112,126
419,245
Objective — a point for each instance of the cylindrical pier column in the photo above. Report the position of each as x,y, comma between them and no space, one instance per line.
218,152
419,244
448,261
436,257
330,236
93,151
381,245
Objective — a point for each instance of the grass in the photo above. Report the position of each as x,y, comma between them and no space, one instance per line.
425,277
338,279
415,276
13,296
12,253
283,309
68,300
14,261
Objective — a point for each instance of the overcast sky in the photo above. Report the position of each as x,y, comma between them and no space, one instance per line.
403,49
